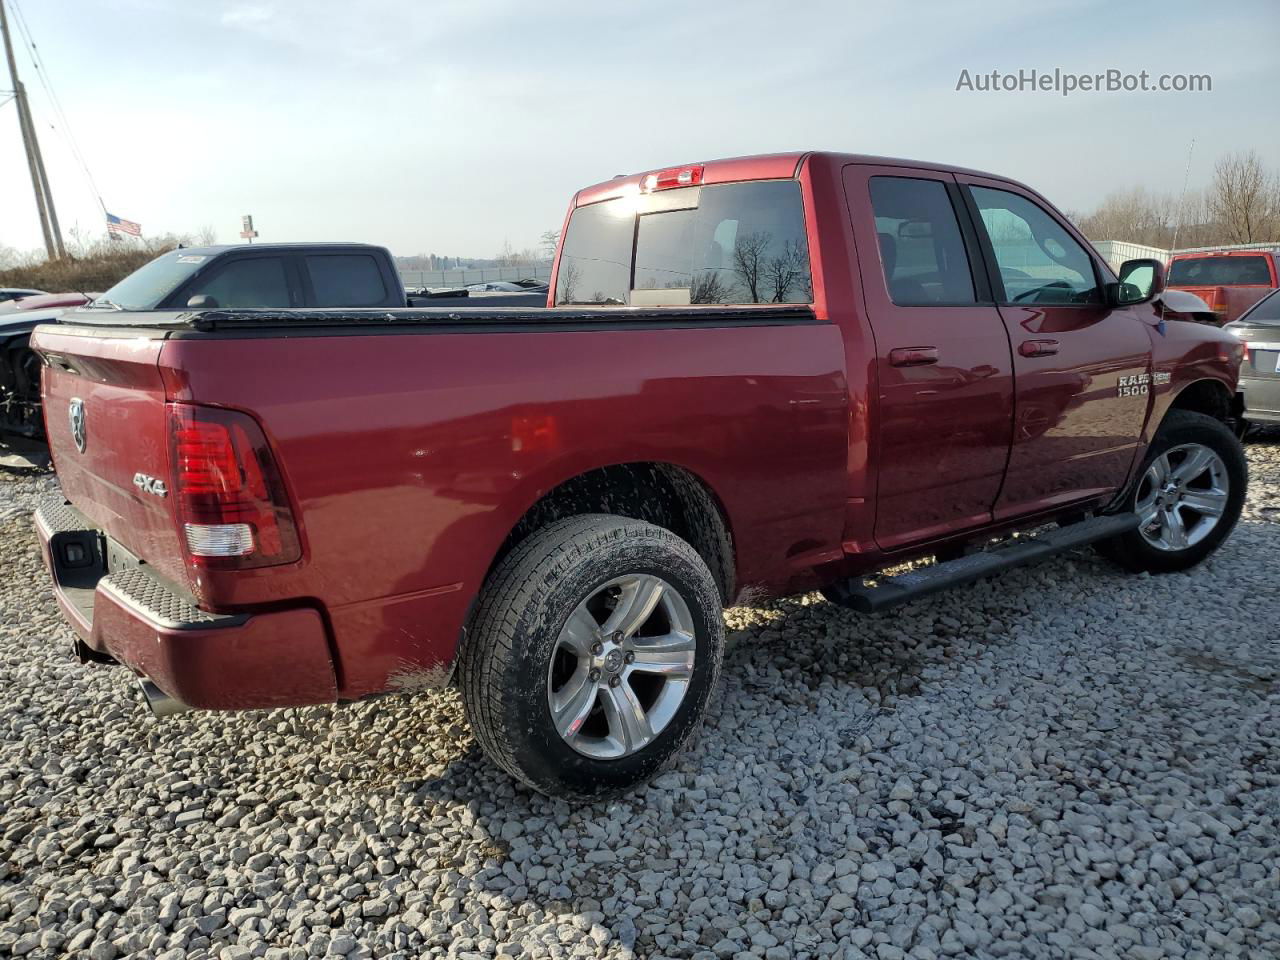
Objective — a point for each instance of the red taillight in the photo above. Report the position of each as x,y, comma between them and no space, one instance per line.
673,177
231,500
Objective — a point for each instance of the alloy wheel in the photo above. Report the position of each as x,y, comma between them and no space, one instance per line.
621,666
1182,497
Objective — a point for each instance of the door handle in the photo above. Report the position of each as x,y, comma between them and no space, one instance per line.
1038,348
913,356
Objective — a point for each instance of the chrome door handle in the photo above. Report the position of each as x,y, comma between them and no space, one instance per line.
913,356
1038,348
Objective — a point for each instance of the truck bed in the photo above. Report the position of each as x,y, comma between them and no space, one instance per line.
410,448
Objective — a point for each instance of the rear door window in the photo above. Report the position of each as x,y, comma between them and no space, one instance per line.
736,243
921,248
346,280
250,282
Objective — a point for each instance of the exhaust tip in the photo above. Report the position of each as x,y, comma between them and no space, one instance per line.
160,703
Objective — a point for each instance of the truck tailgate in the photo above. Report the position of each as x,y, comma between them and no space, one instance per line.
104,403
1226,301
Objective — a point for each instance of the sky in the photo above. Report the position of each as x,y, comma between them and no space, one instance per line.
455,127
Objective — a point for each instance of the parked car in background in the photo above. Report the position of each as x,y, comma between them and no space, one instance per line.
47,301
1230,281
20,418
16,293
266,275
302,275
1259,328
762,376
20,374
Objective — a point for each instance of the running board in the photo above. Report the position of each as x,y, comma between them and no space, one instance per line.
891,591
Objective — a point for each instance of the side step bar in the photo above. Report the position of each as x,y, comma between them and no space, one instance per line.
891,591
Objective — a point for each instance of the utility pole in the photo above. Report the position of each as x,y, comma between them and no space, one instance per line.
35,162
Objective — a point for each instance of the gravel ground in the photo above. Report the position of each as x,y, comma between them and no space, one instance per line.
1066,761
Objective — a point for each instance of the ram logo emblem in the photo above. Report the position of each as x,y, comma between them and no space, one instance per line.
75,414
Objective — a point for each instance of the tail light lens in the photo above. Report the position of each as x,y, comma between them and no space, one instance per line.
231,500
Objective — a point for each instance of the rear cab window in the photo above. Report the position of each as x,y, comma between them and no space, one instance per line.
732,243
1219,271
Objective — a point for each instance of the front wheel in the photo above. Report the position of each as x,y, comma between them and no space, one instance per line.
592,655
1188,496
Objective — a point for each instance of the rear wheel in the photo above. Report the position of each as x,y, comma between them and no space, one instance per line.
1188,496
592,655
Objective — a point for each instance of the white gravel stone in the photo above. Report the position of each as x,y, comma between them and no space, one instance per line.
1063,761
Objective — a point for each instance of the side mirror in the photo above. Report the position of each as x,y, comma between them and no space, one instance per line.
1140,280
202,301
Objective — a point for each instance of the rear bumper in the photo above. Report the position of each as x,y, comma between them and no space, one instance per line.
206,660
1261,398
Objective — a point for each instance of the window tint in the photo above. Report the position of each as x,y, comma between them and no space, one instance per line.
595,258
149,285
1267,311
731,243
921,249
258,282
1039,261
745,243
1215,271
346,280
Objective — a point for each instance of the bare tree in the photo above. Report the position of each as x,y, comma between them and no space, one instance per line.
784,271
1245,198
568,282
749,261
1133,215
709,287
548,242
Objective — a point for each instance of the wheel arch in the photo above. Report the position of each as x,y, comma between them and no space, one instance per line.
662,493
1208,395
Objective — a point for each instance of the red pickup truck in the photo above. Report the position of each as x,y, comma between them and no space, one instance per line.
1229,281
756,377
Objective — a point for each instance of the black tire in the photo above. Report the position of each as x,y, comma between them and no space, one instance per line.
1182,427
505,664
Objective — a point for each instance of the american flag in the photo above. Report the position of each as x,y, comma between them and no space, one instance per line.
116,225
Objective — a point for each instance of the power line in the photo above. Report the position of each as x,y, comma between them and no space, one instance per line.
31,146
64,131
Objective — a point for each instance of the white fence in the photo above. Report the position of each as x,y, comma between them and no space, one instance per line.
1116,252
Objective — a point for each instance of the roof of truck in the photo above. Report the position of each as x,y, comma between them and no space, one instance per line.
217,248
765,166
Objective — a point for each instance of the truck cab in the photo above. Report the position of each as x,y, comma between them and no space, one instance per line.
279,275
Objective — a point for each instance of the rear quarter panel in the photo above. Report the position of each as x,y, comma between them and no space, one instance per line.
411,456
